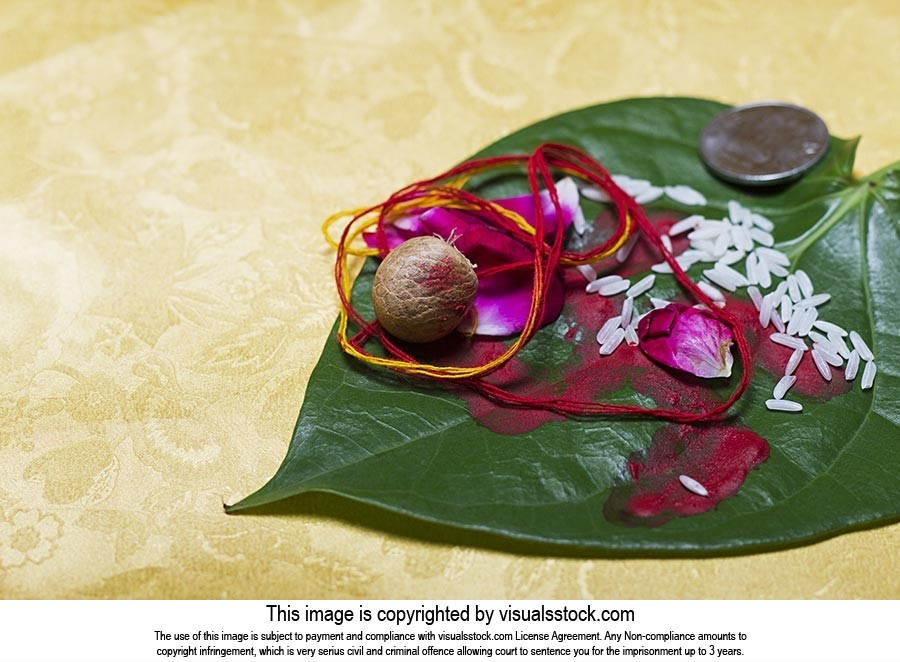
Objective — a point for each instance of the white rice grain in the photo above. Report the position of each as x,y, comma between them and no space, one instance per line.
794,323
606,331
788,341
764,275
627,311
762,237
810,315
595,194
707,230
794,361
755,296
793,288
751,265
783,386
643,285
723,243
780,290
806,286
829,328
783,405
817,337
765,310
839,344
596,284
692,485
631,337
710,291
661,268
659,303
868,377
611,289
762,222
685,195
773,256
742,238
613,343
625,249
685,224
815,300
589,273
720,279
786,309
732,257
821,365
777,270
830,357
732,274
686,261
860,345
648,195
776,322
852,366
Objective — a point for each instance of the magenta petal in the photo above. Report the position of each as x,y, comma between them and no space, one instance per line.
398,232
503,302
569,201
688,339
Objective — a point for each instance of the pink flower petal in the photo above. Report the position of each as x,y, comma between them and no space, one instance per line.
687,339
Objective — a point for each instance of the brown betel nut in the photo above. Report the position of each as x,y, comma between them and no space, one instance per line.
423,289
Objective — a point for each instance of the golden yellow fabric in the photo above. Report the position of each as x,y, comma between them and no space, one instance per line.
164,167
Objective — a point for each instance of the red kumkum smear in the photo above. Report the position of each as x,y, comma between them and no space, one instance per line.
717,456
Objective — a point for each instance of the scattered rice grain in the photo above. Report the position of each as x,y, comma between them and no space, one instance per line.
685,224
852,366
710,291
611,289
631,336
806,286
860,345
783,405
821,365
762,237
868,377
625,250
829,328
783,386
794,361
685,195
627,311
613,343
643,285
786,309
788,341
606,331
692,485
755,296
589,273
762,222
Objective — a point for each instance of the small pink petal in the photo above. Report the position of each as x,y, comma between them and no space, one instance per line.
687,339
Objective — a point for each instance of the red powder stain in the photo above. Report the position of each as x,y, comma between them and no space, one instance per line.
717,456
439,275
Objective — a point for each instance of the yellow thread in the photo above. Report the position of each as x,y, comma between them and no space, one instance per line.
441,196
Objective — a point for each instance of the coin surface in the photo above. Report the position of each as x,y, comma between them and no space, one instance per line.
763,144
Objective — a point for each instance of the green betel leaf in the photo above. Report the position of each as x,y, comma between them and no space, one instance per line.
416,448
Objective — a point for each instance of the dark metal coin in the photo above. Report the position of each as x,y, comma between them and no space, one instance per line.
763,144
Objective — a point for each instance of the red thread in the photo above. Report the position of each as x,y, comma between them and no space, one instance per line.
546,258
